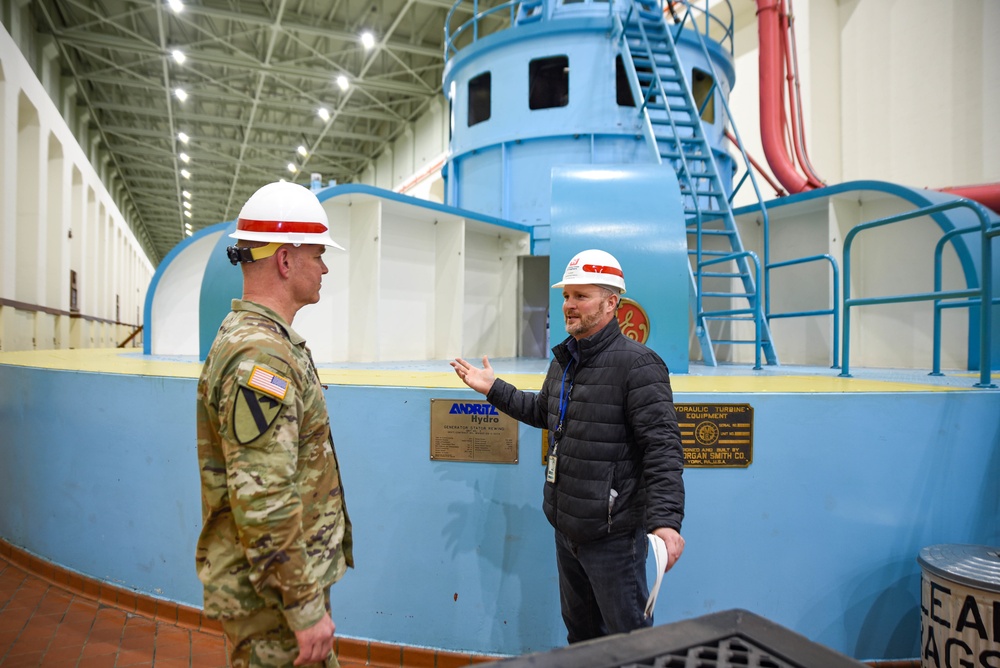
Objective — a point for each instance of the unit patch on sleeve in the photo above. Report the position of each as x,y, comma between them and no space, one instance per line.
253,414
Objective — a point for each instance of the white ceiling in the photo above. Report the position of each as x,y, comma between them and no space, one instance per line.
256,73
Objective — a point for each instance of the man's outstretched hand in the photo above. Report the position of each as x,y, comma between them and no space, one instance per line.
481,380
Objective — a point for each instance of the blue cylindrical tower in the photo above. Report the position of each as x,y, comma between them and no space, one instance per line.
535,85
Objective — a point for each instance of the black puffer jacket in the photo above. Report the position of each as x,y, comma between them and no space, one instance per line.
620,433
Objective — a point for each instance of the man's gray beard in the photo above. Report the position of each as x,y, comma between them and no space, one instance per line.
583,325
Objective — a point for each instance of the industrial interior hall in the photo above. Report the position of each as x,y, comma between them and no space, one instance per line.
804,196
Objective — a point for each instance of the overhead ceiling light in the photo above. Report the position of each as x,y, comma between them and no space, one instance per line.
301,150
186,194
181,94
367,40
185,158
186,174
324,113
176,5
179,56
187,213
187,205
292,168
187,226
342,82
183,137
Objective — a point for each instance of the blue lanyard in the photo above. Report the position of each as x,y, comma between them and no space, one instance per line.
563,398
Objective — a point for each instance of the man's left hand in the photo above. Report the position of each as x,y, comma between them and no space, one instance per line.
675,545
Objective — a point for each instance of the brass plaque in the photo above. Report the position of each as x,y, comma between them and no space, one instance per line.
472,431
716,435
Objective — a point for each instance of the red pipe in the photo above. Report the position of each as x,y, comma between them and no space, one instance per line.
794,103
772,98
987,194
774,58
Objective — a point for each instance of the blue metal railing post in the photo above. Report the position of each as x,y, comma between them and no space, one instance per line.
758,319
834,311
938,279
986,307
984,292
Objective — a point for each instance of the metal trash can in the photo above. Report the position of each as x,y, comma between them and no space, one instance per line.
959,606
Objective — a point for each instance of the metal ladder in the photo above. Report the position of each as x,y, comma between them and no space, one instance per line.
673,126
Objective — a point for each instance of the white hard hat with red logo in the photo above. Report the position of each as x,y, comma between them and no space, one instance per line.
594,267
280,213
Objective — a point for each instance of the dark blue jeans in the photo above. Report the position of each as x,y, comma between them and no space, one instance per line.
602,584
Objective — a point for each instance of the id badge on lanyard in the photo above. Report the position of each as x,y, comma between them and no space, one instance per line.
550,470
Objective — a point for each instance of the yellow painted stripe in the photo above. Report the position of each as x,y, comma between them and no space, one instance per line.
131,362
102,360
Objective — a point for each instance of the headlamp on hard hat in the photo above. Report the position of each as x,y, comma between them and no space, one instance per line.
237,254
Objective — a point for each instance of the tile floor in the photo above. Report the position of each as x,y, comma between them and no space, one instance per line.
43,624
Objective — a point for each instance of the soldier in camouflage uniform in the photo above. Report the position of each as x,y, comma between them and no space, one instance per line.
275,530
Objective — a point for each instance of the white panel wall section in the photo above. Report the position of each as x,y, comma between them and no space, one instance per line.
412,164
402,158
175,305
449,287
7,227
365,274
383,170
325,324
56,244
490,318
29,201
56,216
406,295
508,299
428,140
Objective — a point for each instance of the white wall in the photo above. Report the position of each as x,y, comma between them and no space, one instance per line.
904,92
57,216
411,165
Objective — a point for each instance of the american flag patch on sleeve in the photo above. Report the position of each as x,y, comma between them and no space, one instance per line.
268,383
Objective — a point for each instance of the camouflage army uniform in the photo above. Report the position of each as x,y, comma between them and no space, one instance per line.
275,530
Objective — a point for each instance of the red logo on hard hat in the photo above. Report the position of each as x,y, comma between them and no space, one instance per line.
633,321
601,269
573,262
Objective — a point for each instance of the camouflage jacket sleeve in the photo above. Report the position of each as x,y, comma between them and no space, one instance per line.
260,412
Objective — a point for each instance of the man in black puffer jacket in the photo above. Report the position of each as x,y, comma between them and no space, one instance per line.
615,456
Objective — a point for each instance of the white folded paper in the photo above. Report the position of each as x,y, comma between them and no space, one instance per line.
660,552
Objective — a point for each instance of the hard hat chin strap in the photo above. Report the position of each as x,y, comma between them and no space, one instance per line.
239,254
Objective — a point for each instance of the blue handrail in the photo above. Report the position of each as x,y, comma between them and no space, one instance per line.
755,310
984,292
451,37
711,19
834,311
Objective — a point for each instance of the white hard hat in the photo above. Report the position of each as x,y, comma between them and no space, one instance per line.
594,267
285,213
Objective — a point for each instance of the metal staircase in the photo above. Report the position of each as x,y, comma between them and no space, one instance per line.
720,270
